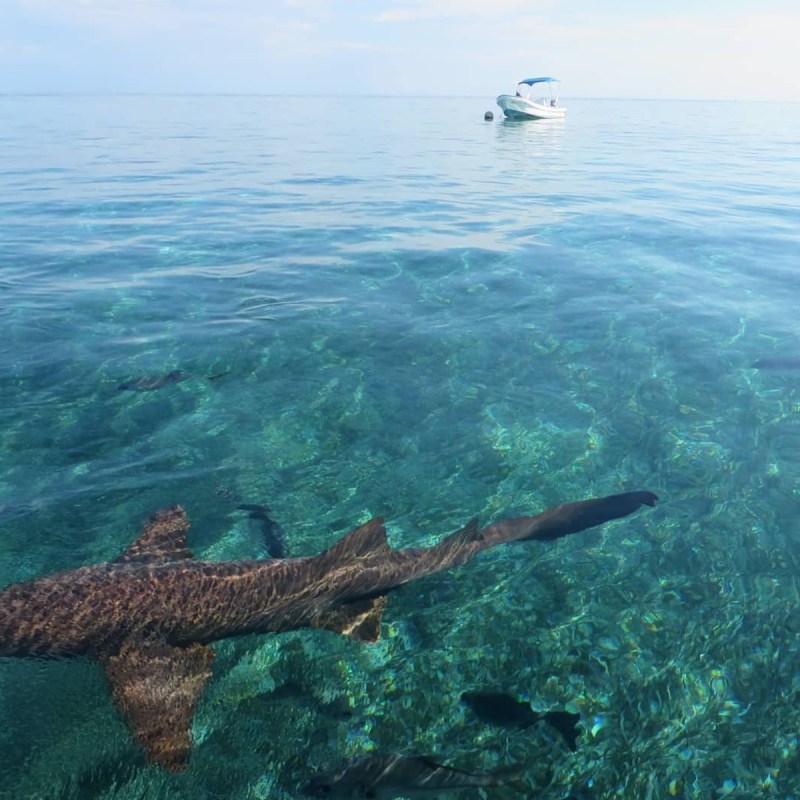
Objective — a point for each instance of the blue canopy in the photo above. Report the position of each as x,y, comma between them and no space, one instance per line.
531,81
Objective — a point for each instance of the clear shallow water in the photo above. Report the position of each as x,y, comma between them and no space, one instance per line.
427,317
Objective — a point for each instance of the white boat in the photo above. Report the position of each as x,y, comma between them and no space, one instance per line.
524,104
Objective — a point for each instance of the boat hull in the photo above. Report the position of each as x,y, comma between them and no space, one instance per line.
521,108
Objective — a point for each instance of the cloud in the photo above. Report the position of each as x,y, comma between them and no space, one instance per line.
410,46
115,16
132,17
292,40
287,35
679,55
313,5
464,10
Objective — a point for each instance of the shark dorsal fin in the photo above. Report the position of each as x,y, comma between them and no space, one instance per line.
162,540
367,539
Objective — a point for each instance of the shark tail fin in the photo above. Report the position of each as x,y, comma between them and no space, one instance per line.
565,519
574,517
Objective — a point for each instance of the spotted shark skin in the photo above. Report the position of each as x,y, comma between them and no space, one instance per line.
149,615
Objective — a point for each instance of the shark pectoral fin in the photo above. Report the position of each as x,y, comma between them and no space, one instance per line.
360,620
156,686
163,539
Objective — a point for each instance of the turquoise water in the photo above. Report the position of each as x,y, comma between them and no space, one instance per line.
428,317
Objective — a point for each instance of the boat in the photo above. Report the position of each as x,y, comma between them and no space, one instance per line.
524,104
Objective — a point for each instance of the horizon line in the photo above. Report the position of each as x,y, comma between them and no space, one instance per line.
115,93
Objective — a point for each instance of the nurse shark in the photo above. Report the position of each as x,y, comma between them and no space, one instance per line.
149,616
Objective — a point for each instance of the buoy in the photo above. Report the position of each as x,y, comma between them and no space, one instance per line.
488,116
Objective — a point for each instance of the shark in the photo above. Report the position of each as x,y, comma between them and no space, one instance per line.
150,615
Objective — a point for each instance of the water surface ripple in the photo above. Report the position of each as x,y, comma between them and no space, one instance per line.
423,316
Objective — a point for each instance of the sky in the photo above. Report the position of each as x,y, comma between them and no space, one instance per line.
711,49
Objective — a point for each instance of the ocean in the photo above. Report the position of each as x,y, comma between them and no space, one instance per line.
386,306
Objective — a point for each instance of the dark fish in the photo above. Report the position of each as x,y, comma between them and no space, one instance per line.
271,530
777,362
148,383
580,793
217,375
339,708
149,615
498,708
566,724
386,776
229,494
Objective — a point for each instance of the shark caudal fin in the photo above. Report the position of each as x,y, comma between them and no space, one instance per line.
566,519
574,517
359,619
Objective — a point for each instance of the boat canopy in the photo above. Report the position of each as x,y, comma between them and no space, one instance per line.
531,81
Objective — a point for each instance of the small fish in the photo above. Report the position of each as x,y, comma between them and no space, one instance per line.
566,724
149,383
229,494
777,362
339,708
271,530
218,375
498,708
381,777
